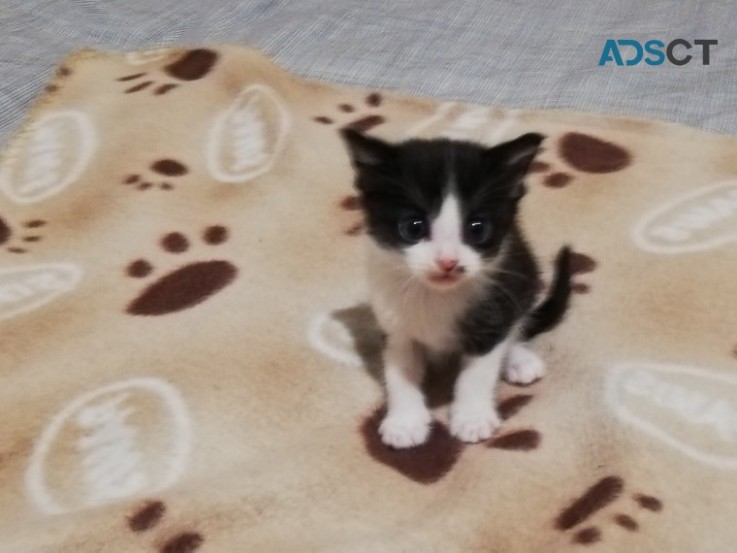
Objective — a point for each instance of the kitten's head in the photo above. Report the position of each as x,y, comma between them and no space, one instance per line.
445,206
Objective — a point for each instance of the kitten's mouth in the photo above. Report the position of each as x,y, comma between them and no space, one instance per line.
444,279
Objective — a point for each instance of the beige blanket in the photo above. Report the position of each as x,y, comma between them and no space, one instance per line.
188,362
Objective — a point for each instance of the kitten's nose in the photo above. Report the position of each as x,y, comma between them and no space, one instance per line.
447,265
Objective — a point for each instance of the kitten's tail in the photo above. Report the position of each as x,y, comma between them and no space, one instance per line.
551,310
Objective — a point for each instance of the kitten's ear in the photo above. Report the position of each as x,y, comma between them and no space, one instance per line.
366,151
513,160
518,154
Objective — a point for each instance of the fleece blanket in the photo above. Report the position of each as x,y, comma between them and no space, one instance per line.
189,363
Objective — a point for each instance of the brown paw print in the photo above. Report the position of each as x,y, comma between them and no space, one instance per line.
426,463
162,168
435,458
581,264
28,234
352,206
186,286
361,121
520,440
149,515
583,153
597,498
190,66
62,73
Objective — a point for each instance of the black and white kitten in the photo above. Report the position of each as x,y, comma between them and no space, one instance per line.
450,272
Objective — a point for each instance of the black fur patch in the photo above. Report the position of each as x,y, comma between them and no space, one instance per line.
508,298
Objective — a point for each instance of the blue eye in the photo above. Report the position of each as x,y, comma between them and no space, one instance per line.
478,230
412,229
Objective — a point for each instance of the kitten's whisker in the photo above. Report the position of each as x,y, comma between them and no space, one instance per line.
514,302
512,273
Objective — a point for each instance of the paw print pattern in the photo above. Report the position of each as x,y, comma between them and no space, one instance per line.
191,66
62,73
28,235
583,153
581,264
185,286
352,205
162,168
599,497
431,461
361,121
149,515
520,440
426,463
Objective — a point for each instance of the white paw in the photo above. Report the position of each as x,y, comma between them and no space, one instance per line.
474,425
524,366
406,429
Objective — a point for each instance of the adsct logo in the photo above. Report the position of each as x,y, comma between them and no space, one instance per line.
110,444
700,220
691,410
632,52
246,138
49,157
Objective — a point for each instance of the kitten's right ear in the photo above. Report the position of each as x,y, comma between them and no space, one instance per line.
366,151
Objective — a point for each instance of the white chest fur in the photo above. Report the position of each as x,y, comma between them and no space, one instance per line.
406,306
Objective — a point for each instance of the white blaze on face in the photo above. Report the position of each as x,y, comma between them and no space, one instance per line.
445,242
445,233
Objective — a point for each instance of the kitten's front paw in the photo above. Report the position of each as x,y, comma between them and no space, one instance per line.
524,366
408,429
474,425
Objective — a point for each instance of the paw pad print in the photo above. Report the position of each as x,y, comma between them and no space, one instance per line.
599,497
581,264
161,168
62,73
190,66
185,286
583,153
352,206
17,242
431,461
150,515
362,119
519,440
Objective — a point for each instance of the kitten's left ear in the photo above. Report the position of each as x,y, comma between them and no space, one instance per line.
514,159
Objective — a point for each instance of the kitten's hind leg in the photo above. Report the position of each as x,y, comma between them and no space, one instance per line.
407,421
523,366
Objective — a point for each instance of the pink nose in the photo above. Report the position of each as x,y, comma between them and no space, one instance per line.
447,265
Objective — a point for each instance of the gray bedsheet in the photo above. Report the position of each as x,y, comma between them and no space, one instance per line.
520,53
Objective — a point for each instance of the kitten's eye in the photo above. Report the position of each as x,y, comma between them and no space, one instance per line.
412,229
478,230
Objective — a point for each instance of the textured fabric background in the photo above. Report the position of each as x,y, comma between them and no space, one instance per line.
525,53
188,358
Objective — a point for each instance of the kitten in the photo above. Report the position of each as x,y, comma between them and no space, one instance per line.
450,272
